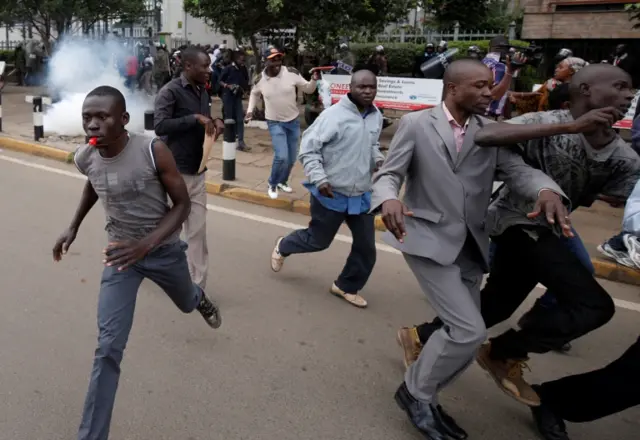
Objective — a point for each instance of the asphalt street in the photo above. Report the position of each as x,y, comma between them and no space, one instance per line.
291,362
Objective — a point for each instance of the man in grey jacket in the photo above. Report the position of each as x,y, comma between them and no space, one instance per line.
340,152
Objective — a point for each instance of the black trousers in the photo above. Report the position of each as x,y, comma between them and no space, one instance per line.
520,263
597,394
323,227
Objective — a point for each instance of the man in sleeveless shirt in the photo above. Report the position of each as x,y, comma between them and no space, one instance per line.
131,175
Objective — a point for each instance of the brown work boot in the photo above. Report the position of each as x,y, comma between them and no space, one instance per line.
410,342
508,375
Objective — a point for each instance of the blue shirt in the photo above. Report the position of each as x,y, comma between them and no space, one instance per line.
340,203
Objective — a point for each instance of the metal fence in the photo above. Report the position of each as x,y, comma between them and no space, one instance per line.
9,45
426,35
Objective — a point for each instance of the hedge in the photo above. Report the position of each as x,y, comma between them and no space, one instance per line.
6,55
401,57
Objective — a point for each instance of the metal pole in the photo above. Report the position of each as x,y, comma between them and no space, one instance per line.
0,110
229,145
148,123
38,120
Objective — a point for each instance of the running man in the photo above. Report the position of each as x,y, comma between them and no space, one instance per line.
132,175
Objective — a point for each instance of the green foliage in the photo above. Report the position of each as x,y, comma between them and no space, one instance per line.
634,14
6,55
499,17
62,15
470,14
401,57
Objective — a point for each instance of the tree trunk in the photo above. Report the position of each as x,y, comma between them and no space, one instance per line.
296,47
256,53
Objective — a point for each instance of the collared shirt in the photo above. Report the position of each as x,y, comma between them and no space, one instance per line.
458,130
176,107
492,61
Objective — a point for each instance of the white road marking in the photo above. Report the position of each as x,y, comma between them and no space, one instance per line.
628,305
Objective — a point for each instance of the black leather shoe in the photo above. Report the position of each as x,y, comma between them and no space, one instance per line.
551,427
423,416
449,425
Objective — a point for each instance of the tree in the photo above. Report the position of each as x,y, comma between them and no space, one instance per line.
316,22
63,15
470,14
634,14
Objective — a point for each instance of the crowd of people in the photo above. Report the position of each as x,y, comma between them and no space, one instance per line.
449,225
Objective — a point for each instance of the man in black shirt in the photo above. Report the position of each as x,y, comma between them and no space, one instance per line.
182,117
234,81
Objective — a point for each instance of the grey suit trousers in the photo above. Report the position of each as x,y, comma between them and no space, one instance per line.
454,293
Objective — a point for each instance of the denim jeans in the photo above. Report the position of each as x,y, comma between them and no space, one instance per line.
284,137
232,109
577,248
322,229
167,267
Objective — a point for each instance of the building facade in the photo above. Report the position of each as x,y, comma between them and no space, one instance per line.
569,19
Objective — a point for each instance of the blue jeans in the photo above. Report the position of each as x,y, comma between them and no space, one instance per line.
284,137
167,267
577,248
232,109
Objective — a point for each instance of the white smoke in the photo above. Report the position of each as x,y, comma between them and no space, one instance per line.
77,67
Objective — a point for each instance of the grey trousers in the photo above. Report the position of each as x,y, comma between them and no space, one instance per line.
194,229
454,293
167,267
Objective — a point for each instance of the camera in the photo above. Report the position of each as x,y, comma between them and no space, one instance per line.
533,54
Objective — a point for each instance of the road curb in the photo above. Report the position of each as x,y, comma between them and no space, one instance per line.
613,271
604,269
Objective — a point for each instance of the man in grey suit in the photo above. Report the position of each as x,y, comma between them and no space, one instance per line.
440,228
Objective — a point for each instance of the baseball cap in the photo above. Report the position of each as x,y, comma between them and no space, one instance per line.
272,53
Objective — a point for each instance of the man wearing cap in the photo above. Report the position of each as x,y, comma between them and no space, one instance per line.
278,87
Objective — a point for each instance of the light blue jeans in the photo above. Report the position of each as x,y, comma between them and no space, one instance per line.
284,137
167,267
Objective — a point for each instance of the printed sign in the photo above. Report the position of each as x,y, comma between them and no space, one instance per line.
627,122
394,93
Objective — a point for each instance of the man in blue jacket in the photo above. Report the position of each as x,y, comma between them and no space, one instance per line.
340,152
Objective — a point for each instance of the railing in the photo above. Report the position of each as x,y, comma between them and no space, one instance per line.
426,35
9,45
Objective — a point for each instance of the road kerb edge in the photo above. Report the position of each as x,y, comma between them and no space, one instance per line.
612,271
258,198
35,149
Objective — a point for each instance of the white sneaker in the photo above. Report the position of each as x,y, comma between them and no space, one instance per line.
277,260
633,246
618,256
273,192
284,187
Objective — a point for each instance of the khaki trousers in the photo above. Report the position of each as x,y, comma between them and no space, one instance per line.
194,230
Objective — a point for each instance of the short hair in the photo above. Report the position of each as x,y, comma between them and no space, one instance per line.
111,92
499,40
191,54
559,96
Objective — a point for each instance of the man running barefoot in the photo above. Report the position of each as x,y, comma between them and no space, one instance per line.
132,175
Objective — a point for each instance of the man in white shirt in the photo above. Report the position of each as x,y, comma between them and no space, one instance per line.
278,86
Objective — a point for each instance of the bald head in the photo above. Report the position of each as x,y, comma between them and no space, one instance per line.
362,75
467,86
598,86
364,86
465,68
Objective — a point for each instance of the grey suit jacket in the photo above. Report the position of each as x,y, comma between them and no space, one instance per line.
448,191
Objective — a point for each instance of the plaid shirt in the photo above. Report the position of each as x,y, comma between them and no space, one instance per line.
492,61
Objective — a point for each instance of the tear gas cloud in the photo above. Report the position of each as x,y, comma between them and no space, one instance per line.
77,67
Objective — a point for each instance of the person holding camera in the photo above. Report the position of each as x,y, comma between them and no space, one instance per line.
234,81
504,67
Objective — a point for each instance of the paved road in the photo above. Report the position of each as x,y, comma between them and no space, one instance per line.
291,362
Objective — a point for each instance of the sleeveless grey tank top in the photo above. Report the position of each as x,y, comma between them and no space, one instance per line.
129,187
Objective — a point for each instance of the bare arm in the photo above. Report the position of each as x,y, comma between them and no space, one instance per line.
504,134
177,191
87,201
